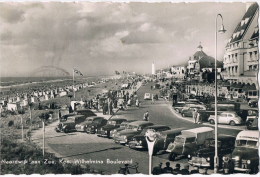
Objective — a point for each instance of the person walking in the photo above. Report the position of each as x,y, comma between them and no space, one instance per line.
137,103
146,116
194,115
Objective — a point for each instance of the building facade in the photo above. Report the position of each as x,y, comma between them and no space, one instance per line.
241,53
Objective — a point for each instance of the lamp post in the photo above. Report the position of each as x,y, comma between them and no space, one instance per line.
151,137
222,30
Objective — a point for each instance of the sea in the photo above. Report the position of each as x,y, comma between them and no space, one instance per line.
11,82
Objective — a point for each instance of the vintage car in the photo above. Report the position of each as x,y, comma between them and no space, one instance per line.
188,111
230,118
66,116
253,125
112,124
86,112
82,126
253,103
252,114
139,141
95,125
122,126
163,140
179,107
245,157
147,96
70,124
204,156
189,141
134,128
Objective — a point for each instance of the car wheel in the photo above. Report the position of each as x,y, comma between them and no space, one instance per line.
232,123
211,121
172,156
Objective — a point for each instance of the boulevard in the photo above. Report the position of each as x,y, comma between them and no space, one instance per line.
76,146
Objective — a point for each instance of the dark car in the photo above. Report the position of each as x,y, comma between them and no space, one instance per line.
204,156
110,126
122,126
245,157
95,125
134,128
139,141
253,103
188,111
82,126
253,125
70,124
86,112
252,114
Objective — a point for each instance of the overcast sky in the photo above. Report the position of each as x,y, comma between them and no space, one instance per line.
99,38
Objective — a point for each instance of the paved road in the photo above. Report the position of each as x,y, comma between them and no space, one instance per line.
74,146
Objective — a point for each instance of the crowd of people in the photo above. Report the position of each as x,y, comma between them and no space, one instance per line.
158,170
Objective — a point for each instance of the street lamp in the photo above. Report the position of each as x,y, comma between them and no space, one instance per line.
222,30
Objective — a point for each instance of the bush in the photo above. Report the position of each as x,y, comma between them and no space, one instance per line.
11,150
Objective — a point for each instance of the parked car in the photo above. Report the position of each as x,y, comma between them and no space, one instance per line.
204,156
83,125
86,112
253,103
139,141
230,118
253,125
147,96
95,125
187,105
70,124
245,157
165,138
134,128
251,116
189,141
122,126
188,111
112,124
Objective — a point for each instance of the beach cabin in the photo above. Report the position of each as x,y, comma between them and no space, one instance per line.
63,93
13,106
24,102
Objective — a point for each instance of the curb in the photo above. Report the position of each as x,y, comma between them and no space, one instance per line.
207,124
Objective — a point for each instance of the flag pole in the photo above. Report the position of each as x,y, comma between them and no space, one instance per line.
73,84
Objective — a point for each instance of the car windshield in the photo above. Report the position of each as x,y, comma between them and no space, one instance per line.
246,143
179,140
112,122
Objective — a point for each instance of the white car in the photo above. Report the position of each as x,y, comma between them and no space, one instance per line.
230,118
147,96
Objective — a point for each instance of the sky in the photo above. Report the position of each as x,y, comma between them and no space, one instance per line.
99,38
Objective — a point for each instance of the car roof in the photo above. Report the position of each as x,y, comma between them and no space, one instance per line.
173,131
95,117
113,119
139,123
157,126
75,116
